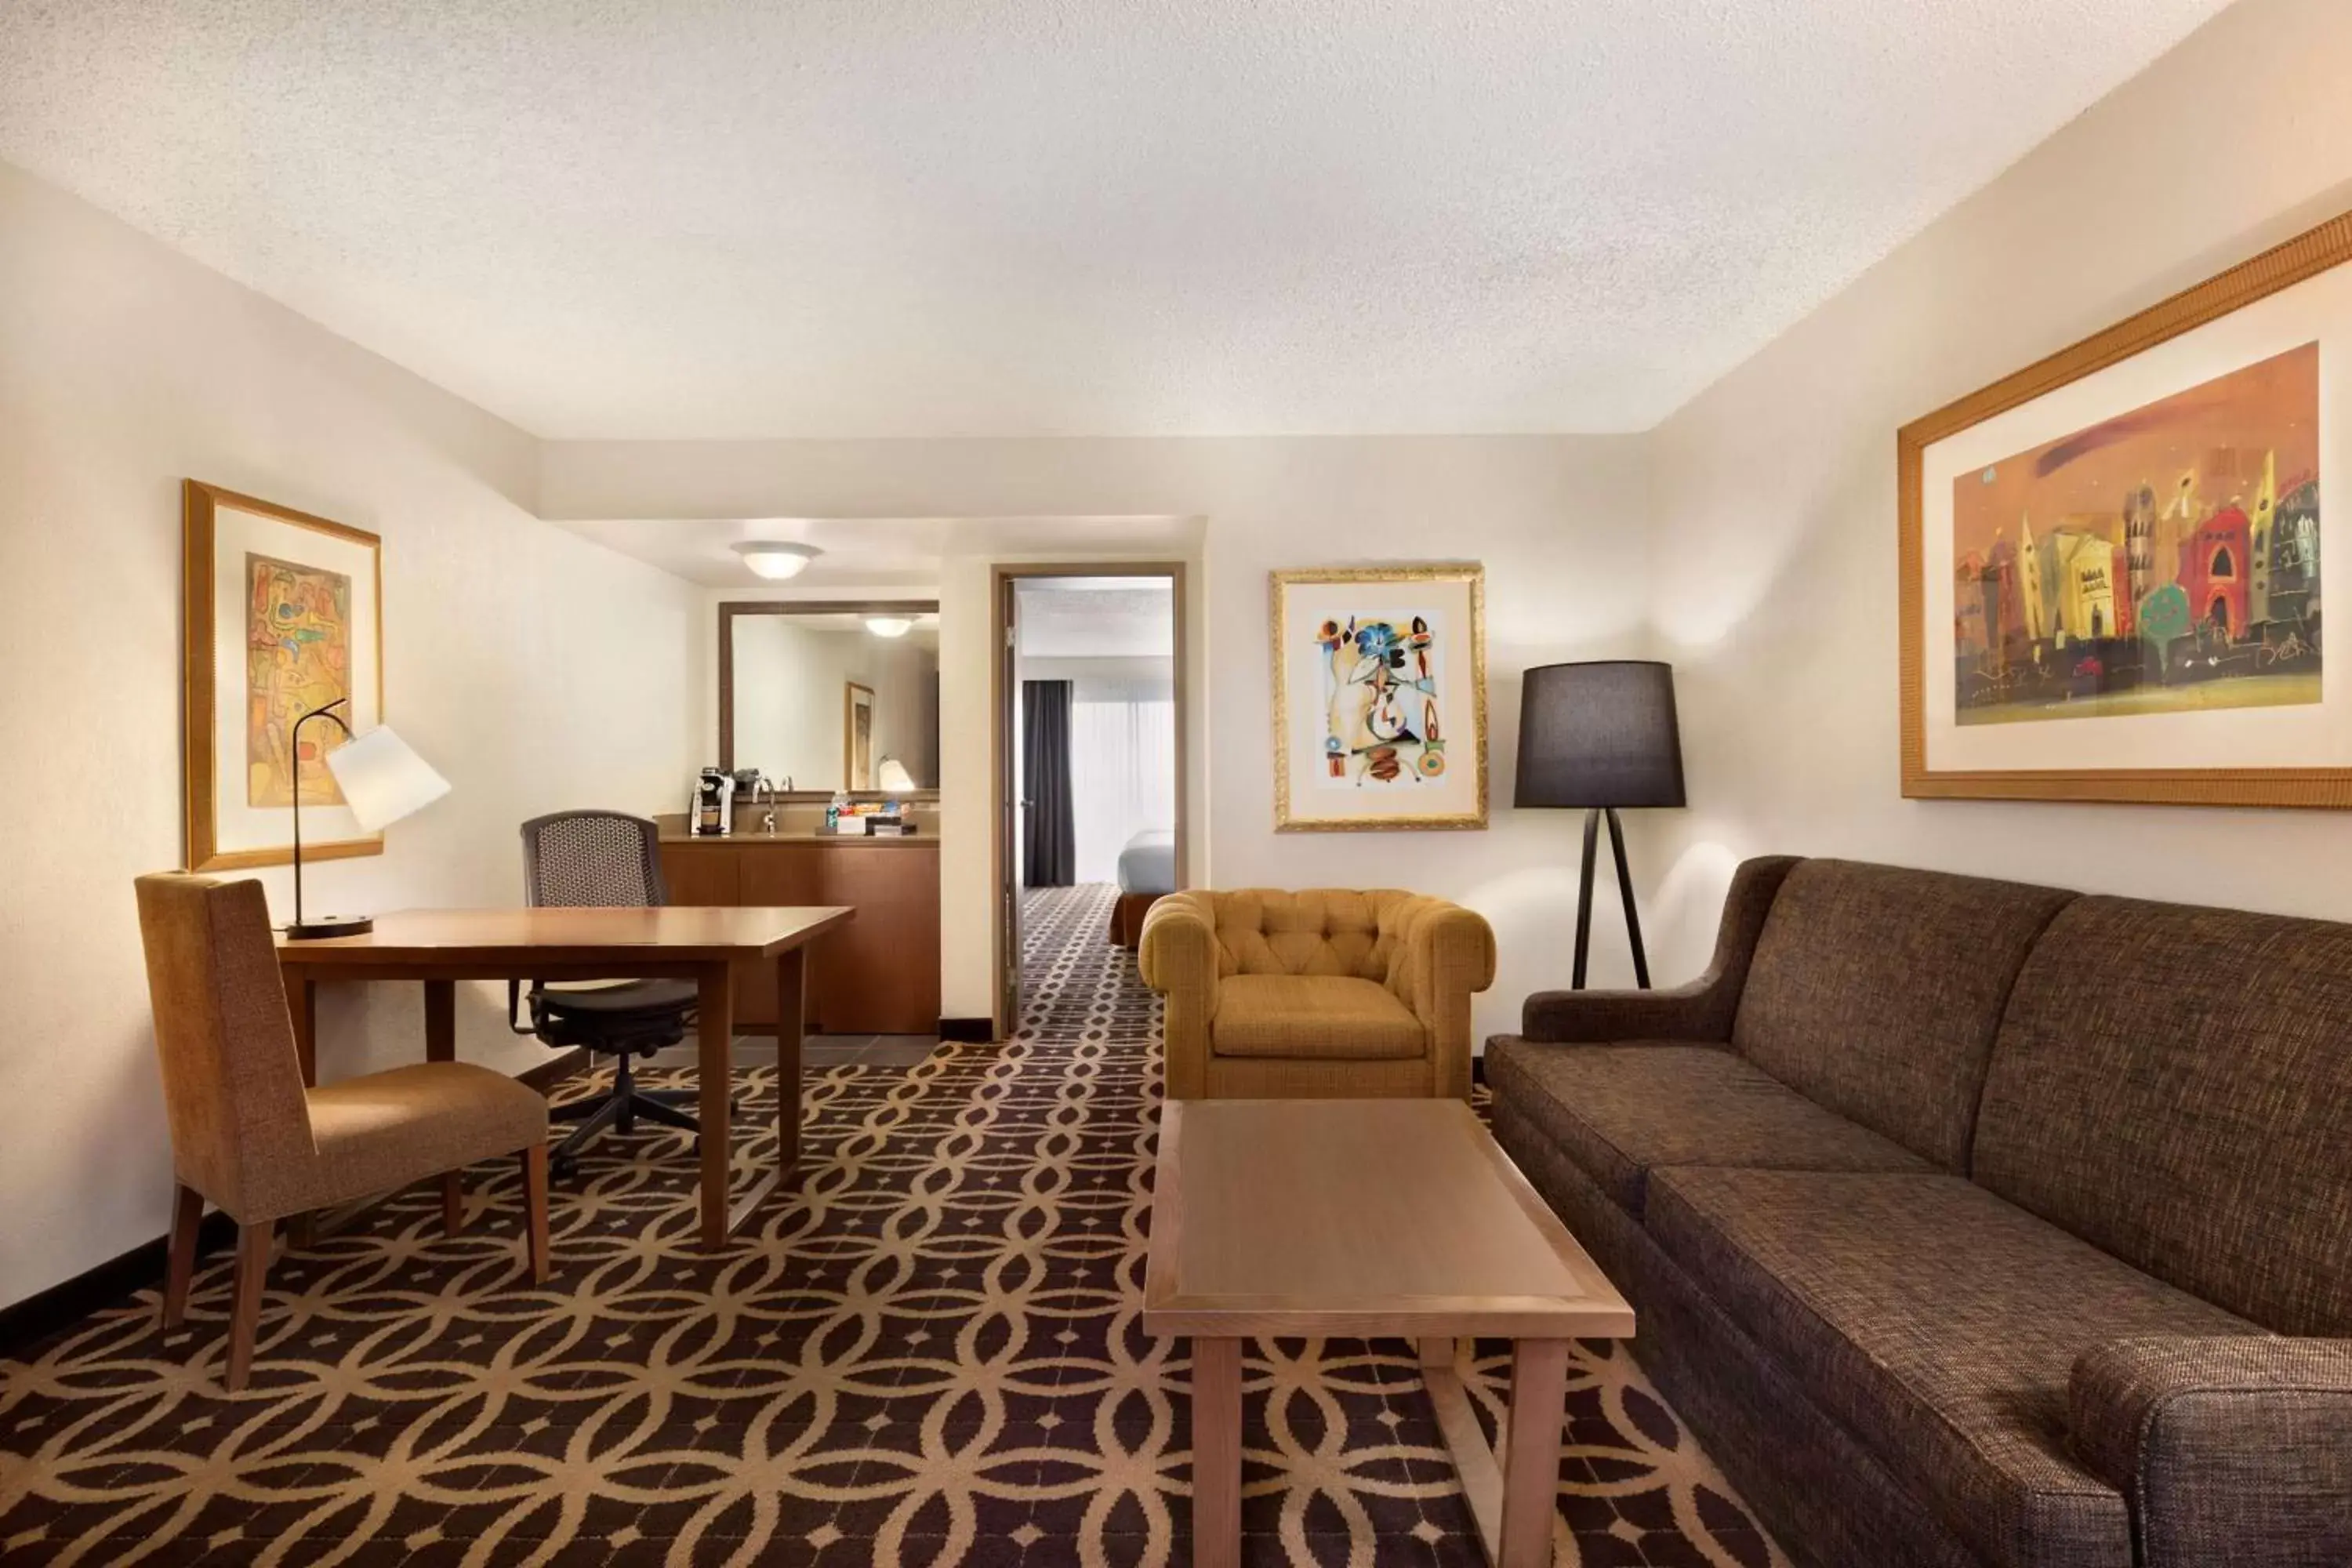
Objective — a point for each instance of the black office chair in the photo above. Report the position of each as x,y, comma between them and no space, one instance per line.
579,859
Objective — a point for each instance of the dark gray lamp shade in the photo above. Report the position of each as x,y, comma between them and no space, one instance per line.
1598,734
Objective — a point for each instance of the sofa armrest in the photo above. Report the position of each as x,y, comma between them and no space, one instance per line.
2227,1450
1178,958
1701,1011
1449,956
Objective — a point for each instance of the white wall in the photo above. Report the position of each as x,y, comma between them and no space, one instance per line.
1558,519
1773,567
534,670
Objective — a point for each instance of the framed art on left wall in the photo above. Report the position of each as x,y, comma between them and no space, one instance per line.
282,612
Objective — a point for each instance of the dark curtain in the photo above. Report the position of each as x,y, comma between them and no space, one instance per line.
1049,848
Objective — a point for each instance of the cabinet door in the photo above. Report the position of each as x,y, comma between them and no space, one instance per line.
774,876
701,874
881,973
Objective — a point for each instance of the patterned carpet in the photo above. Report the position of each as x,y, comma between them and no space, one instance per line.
926,1353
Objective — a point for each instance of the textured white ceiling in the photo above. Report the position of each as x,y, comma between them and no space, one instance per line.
893,218
1096,617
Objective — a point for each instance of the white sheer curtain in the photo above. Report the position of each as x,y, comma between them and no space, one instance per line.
1122,767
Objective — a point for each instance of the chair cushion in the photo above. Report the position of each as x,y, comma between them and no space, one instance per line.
387,1129
1620,1112
1876,990
1939,1325
630,997
1323,1015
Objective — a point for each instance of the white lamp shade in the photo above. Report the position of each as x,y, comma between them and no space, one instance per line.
384,781
894,778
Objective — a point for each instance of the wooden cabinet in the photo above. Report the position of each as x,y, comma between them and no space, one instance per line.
878,976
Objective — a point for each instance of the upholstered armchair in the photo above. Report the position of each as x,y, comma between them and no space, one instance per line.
1327,993
249,1136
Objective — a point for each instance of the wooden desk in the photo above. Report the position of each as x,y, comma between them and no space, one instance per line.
1364,1219
441,947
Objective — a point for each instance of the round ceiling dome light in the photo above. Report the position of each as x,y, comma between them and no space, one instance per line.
889,625
776,558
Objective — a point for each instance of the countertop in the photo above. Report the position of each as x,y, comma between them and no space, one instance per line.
852,840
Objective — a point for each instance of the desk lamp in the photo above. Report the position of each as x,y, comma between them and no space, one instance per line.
382,780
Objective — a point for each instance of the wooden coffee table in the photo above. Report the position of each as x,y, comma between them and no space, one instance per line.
1369,1218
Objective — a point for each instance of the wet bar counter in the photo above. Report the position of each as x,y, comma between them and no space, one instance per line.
878,976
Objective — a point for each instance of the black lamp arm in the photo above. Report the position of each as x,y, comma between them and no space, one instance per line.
294,747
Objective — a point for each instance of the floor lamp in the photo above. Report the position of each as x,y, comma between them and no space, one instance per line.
1601,735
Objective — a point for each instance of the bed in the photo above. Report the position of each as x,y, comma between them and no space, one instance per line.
1146,873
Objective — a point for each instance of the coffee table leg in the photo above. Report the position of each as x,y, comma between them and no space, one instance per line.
1216,1453
1530,1453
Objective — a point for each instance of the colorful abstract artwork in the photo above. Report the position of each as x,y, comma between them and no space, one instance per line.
298,658
284,615
1379,698
2111,574
1382,728
2165,560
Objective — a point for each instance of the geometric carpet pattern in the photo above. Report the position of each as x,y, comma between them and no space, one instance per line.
926,1350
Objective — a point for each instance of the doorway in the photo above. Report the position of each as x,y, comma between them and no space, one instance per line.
1090,777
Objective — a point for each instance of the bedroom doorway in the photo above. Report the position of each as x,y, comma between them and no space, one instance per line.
1090,755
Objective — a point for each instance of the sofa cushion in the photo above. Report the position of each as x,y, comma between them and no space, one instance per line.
2174,1085
1619,1111
1876,990
1323,1015
1939,1325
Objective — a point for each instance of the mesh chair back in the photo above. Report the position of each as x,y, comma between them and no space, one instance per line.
592,859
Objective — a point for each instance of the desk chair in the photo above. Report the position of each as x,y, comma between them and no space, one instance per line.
247,1134
602,859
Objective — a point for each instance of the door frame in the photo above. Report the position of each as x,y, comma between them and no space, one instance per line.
1005,1004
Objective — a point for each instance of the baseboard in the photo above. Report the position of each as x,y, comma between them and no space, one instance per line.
37,1317
968,1031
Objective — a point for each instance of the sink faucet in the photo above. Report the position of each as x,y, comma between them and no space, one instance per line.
766,786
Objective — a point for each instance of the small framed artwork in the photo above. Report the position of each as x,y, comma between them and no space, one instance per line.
283,612
1379,698
2112,561
858,736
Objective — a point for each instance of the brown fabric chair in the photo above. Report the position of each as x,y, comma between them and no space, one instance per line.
248,1135
1329,994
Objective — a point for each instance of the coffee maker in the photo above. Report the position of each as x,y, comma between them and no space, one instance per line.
711,812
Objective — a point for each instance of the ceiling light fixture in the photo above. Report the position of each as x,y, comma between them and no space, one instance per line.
887,626
775,558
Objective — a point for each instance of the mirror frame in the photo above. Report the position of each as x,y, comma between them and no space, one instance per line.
729,609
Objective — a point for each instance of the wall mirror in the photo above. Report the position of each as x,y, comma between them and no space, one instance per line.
820,698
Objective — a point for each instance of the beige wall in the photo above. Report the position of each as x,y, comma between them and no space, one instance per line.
1558,519
1773,563
534,670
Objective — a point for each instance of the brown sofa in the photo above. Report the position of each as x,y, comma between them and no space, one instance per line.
1328,993
1970,1223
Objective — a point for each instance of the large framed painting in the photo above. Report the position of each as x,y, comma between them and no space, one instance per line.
283,612
1379,698
2115,562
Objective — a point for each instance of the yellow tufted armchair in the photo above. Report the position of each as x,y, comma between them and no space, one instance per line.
1329,994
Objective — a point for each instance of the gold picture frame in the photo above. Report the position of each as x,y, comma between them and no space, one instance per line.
2309,319
1420,631
857,735
223,827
